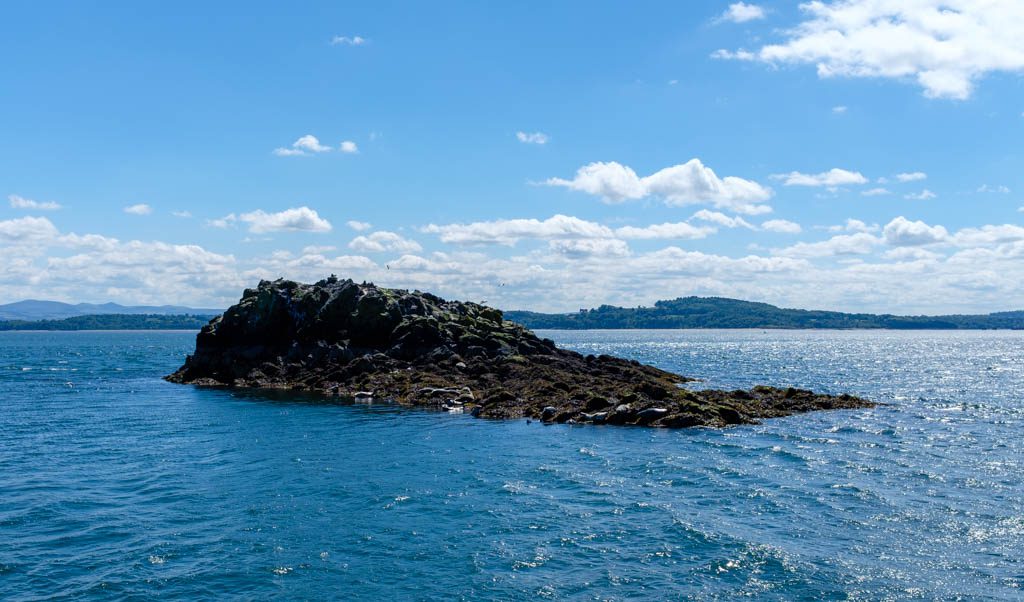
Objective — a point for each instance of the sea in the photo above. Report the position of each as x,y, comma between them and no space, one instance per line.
116,485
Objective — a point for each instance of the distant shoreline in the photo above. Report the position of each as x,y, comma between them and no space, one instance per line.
119,322
687,313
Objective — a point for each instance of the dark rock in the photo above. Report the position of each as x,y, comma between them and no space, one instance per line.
357,340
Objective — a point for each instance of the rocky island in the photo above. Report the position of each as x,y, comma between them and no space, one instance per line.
360,341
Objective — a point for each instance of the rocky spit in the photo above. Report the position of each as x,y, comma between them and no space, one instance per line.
362,342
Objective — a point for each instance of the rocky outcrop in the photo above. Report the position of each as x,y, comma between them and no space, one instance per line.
360,341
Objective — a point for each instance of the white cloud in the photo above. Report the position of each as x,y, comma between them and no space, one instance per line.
733,55
839,110
988,235
303,146
685,184
358,226
383,240
559,227
901,232
912,176
832,177
318,249
946,45
741,12
722,219
511,231
876,192
348,41
998,189
611,181
296,219
911,254
181,214
532,137
18,202
601,247
27,229
348,147
138,209
678,230
924,195
289,152
854,225
223,222
860,243
852,272
781,226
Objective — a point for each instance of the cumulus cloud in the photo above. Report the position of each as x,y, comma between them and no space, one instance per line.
840,109
912,176
348,41
348,147
945,45
601,247
832,177
559,227
733,55
924,195
781,226
677,230
854,225
532,137
296,219
303,146
18,202
998,189
722,219
988,235
685,184
911,254
511,231
876,192
182,214
138,209
27,229
901,232
741,12
382,240
860,243
358,226
854,271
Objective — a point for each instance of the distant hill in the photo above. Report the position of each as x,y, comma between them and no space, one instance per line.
33,309
112,322
719,312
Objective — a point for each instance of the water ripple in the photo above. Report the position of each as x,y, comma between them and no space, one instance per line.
125,487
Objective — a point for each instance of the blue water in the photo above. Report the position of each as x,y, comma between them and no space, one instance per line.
116,485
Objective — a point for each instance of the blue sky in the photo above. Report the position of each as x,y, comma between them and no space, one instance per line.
856,155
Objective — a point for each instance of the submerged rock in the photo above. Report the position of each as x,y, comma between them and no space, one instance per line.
361,341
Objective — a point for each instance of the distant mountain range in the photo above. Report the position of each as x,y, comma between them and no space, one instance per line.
719,312
33,309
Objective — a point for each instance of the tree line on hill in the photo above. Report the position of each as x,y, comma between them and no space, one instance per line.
718,312
112,322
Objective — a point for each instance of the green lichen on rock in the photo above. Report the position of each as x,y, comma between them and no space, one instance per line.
340,338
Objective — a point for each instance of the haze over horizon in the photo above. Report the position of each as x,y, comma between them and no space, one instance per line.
858,156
